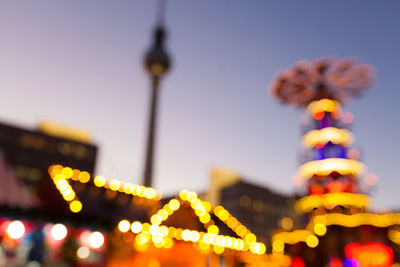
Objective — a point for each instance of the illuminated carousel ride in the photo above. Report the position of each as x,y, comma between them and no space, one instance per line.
337,229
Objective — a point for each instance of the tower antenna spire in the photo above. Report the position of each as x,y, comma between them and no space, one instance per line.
161,8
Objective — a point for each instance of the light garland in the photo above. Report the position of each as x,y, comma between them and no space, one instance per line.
354,220
161,234
331,200
60,178
318,226
329,134
280,239
61,175
394,235
234,224
327,166
323,105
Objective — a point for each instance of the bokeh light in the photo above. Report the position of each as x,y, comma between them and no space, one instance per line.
353,154
16,229
371,179
96,239
59,231
83,252
297,180
347,118
124,226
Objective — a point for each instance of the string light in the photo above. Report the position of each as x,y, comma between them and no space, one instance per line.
60,176
320,229
323,105
161,236
320,137
354,220
124,226
327,166
331,200
75,206
292,237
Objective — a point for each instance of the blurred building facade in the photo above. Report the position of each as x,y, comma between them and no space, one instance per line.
31,152
259,208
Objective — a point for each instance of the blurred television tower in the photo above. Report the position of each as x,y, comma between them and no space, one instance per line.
157,62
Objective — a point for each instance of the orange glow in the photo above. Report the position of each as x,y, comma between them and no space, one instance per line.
317,190
84,177
371,254
335,187
319,115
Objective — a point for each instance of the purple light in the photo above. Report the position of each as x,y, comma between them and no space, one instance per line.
350,263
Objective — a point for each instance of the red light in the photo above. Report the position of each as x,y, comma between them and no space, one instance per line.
371,254
319,115
298,262
335,262
317,190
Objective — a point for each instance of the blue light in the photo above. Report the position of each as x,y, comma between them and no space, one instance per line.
350,263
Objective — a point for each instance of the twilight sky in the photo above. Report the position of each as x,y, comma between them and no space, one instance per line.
80,63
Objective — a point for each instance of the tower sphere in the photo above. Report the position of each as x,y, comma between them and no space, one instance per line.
157,61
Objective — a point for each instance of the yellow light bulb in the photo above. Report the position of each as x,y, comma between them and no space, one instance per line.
156,219
320,229
213,229
174,204
67,172
312,241
84,177
75,206
99,181
250,238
